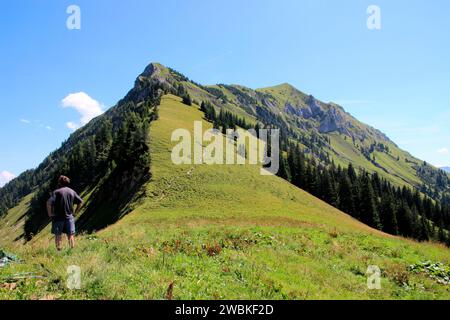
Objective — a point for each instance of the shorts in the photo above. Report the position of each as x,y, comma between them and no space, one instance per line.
66,226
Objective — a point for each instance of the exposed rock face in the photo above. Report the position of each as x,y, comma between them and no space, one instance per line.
293,110
154,71
149,70
148,84
333,121
312,109
303,112
269,104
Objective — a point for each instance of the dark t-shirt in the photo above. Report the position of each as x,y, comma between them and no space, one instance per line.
63,200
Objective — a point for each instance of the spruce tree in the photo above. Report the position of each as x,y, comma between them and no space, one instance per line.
404,218
416,223
283,171
346,199
351,173
328,189
367,206
388,215
424,229
441,234
187,100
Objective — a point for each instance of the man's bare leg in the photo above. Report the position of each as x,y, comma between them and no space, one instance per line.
58,242
71,239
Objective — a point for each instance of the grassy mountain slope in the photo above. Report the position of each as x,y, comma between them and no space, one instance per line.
306,118
224,232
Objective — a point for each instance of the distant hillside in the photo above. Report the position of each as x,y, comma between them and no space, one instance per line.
447,169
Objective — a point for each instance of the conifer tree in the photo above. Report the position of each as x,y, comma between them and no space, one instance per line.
187,100
404,218
328,189
367,206
388,215
346,199
283,171
424,229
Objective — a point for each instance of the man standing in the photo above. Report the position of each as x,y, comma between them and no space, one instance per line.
60,210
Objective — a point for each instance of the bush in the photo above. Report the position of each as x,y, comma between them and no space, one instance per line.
187,100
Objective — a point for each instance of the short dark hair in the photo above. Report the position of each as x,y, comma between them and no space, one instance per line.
63,181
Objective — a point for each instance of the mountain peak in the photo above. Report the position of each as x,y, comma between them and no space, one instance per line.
283,86
287,85
152,68
284,89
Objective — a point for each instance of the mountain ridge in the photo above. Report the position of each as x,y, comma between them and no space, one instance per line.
305,118
317,105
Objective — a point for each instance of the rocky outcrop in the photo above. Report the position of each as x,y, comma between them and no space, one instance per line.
150,70
150,84
312,109
333,121
270,104
156,72
290,109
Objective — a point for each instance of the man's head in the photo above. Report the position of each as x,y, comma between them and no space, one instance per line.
63,181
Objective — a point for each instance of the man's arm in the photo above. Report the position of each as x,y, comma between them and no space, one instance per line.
50,209
78,208
78,202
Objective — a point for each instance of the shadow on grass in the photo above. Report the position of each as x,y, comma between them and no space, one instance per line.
109,202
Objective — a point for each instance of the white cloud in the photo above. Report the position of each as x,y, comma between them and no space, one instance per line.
87,107
72,126
5,177
37,124
443,151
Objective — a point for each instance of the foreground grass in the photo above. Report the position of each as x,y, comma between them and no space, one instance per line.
223,232
221,259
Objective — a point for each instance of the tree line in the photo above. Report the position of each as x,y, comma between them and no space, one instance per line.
365,196
368,197
224,119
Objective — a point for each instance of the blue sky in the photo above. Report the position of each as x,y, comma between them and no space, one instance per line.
395,79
